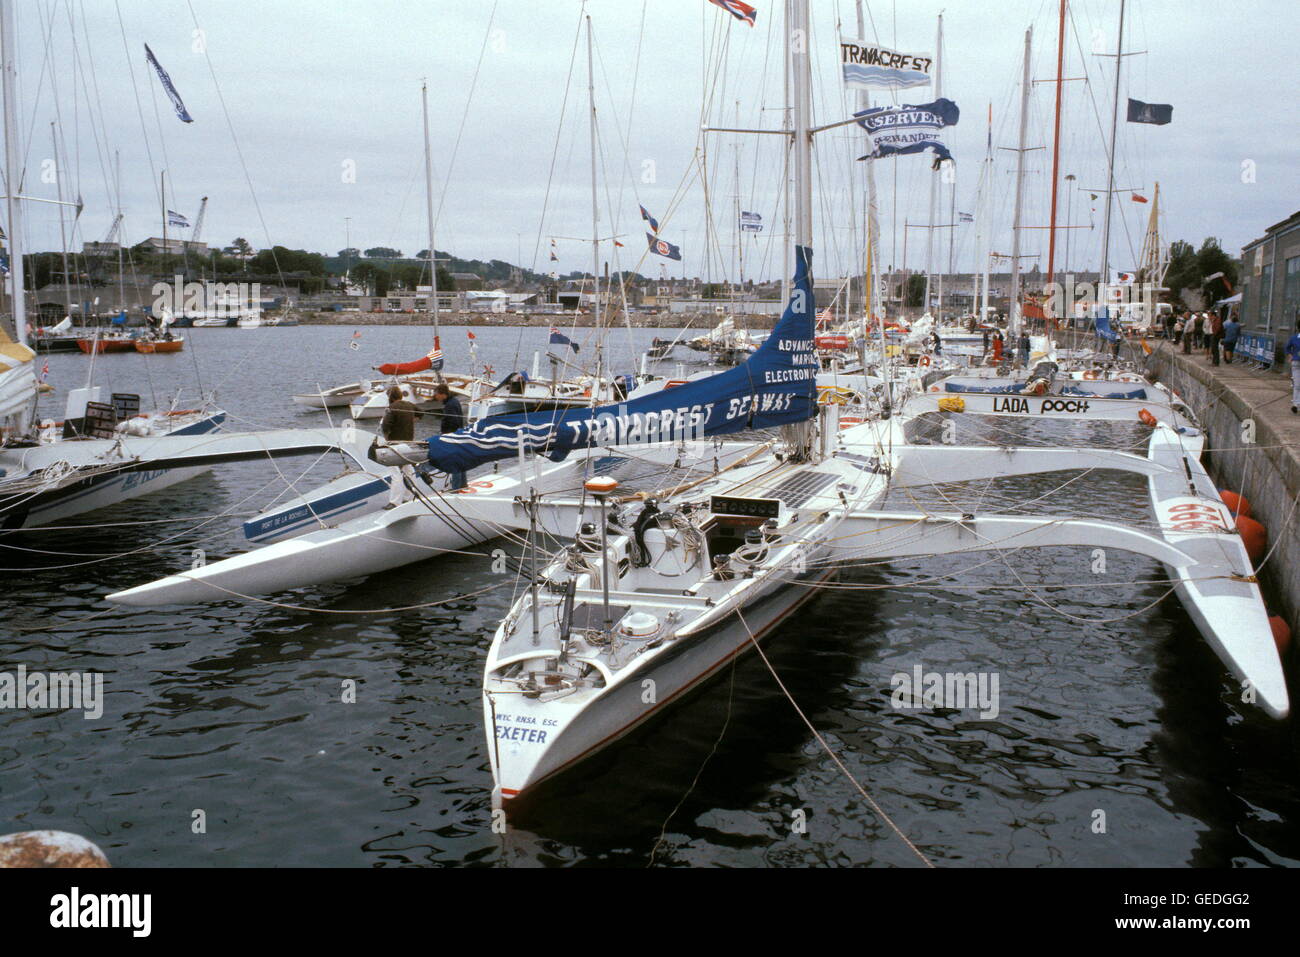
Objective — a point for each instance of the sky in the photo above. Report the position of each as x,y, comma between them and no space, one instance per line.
307,126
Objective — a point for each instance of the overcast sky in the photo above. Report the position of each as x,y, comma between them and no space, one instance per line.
307,115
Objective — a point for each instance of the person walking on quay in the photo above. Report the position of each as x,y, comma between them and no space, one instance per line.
1176,336
1189,331
1293,353
1216,337
1231,330
1198,330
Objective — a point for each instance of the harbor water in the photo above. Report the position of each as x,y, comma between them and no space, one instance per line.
1118,738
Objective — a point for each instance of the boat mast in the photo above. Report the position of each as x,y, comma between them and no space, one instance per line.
869,292
801,87
595,207
63,235
428,212
12,171
1056,150
934,178
982,213
1110,165
1016,312
162,197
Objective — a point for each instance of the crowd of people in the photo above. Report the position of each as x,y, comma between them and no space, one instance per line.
1207,332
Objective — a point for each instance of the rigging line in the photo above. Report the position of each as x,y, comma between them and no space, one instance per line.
135,89
830,751
726,722
239,152
40,86
555,151
355,611
152,546
469,101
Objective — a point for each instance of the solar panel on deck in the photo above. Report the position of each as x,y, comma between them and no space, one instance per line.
798,489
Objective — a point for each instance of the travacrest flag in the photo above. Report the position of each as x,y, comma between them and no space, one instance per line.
897,130
869,66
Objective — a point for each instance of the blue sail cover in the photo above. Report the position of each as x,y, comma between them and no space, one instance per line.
775,386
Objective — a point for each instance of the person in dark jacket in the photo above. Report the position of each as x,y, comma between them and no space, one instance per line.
398,424
452,417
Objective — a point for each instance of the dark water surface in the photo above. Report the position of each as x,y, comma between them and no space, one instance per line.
1109,700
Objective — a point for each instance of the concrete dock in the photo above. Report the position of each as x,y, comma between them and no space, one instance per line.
1254,449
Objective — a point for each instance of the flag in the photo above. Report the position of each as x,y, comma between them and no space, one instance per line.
1157,114
176,219
898,130
554,258
1139,199
965,218
560,339
167,85
4,262
868,66
618,244
741,11
435,358
1125,276
470,333
353,344
45,370
665,249
654,223
751,223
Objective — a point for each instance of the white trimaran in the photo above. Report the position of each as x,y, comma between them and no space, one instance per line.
668,588
661,593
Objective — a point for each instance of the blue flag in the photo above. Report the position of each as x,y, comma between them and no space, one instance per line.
663,248
898,130
775,386
654,223
560,339
1103,325
167,85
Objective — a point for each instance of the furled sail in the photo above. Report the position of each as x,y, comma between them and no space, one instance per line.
775,386
17,384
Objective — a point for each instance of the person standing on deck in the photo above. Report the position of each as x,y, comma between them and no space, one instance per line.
452,418
398,425
1293,352
986,344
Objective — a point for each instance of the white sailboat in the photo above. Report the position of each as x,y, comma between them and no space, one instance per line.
658,593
